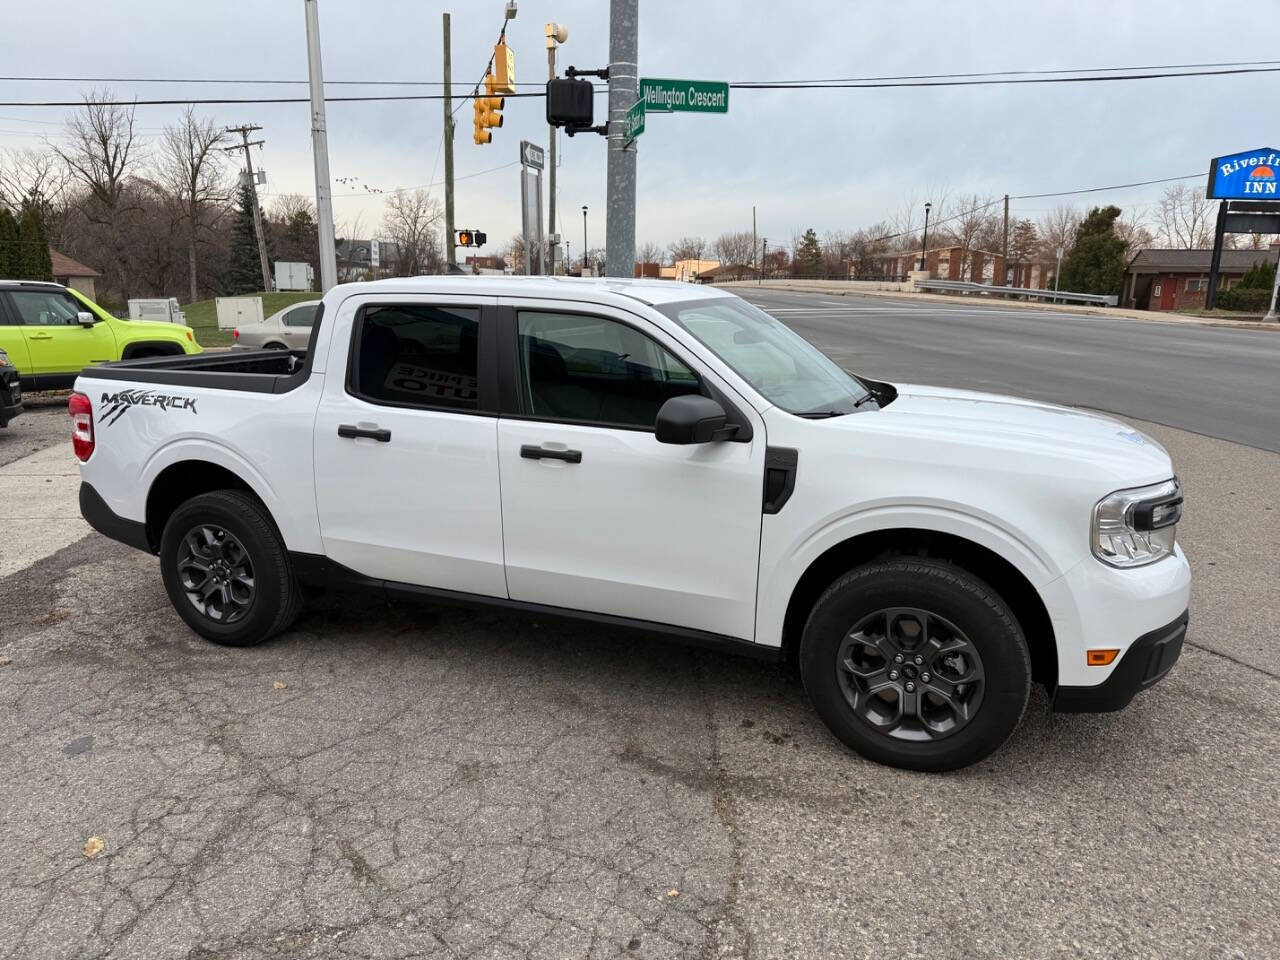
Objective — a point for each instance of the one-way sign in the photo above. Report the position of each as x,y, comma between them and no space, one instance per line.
531,155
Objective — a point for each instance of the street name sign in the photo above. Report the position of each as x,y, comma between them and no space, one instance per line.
689,96
633,125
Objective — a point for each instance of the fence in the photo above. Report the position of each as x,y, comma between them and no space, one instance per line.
1055,296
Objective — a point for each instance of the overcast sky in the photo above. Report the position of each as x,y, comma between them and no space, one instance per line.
826,159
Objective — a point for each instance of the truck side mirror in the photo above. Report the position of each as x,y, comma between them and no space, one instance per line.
692,419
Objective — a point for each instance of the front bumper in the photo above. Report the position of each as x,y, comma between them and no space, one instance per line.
10,395
1144,664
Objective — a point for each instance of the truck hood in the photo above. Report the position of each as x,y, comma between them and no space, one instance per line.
1027,428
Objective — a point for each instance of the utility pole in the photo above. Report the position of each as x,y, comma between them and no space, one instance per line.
624,91
755,263
556,34
244,132
451,253
320,152
1005,254
764,256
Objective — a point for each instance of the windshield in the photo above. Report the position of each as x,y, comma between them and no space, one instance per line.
784,367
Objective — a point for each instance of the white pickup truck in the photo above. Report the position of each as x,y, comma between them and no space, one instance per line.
643,454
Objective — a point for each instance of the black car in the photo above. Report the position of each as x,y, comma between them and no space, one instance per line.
10,390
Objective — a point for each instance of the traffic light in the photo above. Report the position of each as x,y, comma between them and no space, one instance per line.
570,103
471,238
464,238
487,109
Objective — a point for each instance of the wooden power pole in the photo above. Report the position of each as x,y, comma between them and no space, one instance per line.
451,253
244,132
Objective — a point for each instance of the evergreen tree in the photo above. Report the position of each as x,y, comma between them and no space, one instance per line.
1096,261
1261,276
245,268
33,259
808,258
10,249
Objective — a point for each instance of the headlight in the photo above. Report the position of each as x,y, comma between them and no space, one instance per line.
4,359
1137,526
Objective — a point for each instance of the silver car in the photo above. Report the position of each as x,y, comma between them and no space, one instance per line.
287,329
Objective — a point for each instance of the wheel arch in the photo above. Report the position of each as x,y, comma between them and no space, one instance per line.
179,482
1004,577
151,348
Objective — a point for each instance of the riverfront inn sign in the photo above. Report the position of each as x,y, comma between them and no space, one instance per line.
1245,176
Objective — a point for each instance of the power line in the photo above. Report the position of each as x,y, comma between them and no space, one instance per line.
744,85
741,83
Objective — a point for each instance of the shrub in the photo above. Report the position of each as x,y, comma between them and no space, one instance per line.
1247,299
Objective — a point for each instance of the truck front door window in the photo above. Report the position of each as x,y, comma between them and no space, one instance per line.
593,370
417,355
52,309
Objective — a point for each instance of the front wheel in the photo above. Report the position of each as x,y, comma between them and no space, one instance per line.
227,571
916,664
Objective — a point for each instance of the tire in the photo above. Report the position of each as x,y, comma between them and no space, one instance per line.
858,656
223,531
273,345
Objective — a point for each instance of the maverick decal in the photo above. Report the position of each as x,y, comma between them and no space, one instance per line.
116,405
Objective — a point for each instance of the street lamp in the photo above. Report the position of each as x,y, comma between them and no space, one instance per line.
584,239
764,258
924,241
556,34
1055,276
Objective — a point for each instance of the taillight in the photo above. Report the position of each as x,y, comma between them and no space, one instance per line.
81,410
235,334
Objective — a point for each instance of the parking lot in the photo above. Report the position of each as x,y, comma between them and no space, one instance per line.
399,780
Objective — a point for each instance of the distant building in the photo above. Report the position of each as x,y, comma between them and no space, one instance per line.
687,270
648,269
486,265
947,263
728,271
73,273
1158,279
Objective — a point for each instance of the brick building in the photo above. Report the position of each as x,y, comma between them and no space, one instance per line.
1177,279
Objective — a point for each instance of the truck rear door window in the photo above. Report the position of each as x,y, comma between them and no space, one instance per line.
417,355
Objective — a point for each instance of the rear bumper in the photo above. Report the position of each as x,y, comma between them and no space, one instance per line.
1144,664
110,524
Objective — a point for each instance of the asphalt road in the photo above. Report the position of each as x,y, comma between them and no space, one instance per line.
1211,380
397,781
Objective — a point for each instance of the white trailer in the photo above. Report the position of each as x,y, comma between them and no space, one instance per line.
294,276
164,310
238,311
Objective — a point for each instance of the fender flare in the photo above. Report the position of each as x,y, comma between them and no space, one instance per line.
786,573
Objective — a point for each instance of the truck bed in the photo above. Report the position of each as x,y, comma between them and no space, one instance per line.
265,371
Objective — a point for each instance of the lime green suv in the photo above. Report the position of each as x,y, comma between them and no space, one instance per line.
52,332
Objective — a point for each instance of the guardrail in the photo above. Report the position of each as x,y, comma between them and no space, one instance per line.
1055,296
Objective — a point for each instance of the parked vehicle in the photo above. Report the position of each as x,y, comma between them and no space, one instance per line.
10,390
287,329
52,332
641,454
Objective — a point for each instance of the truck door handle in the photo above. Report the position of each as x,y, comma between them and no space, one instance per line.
530,452
351,432
41,336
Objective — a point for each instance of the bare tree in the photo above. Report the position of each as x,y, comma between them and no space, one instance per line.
1135,235
971,228
28,176
100,152
735,248
411,221
190,170
688,248
1184,219
650,253
1057,230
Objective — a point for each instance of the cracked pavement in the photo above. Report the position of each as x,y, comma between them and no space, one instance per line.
431,782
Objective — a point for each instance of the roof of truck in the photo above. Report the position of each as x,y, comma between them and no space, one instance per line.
646,290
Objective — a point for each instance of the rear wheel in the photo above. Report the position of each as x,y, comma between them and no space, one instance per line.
916,664
227,571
